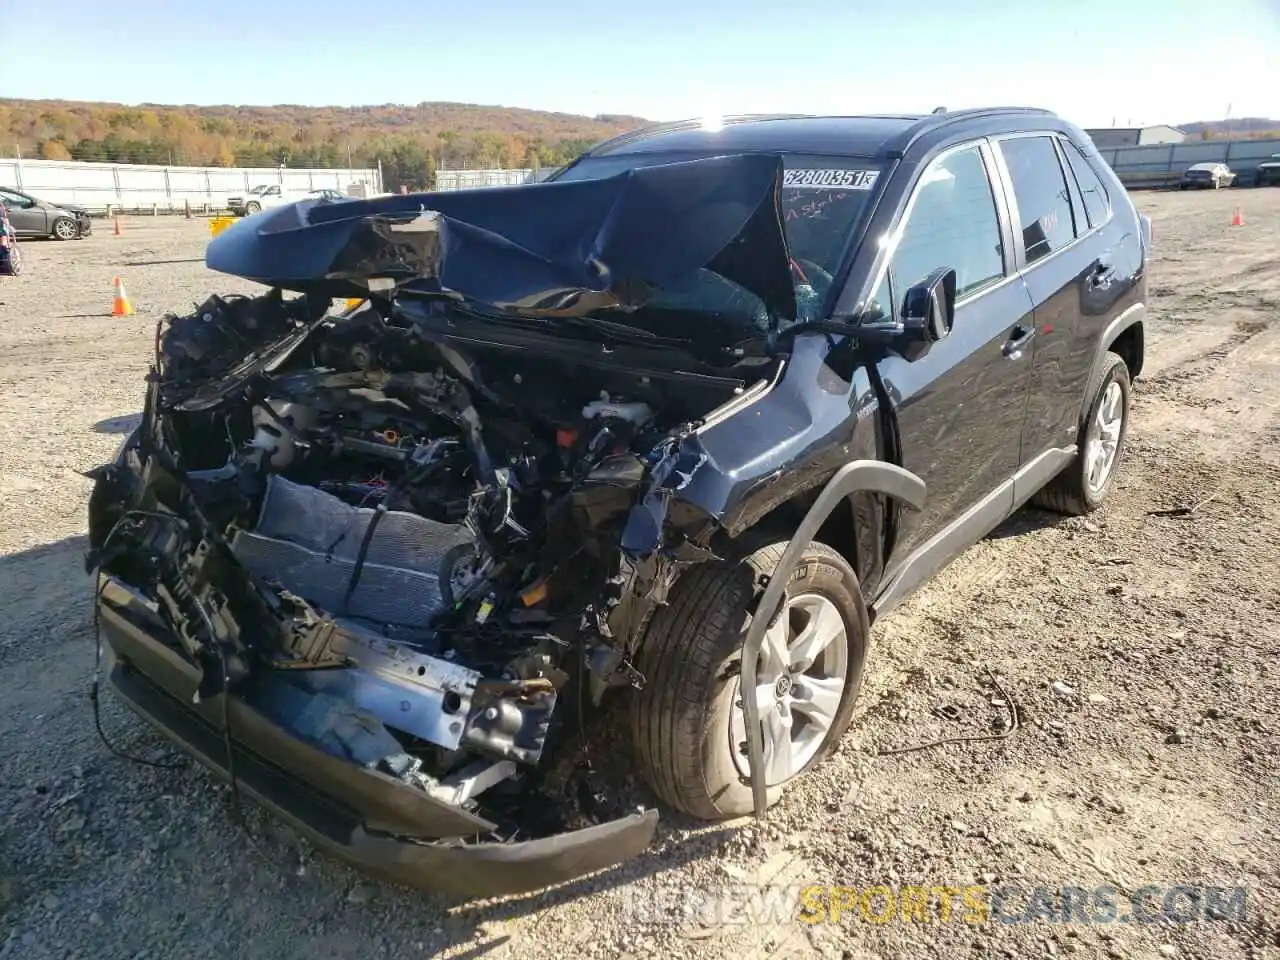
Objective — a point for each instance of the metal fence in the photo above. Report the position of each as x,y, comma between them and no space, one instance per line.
101,187
475,179
1162,164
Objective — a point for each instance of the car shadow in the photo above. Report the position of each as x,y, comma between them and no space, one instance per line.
159,263
45,593
31,573
46,650
126,423
1026,520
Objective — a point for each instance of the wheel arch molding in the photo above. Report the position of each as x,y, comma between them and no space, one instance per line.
869,475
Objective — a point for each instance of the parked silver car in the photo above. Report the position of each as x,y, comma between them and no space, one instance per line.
1205,175
1269,172
33,217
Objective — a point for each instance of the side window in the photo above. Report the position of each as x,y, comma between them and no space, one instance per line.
1078,219
273,192
1044,205
14,201
1097,204
953,223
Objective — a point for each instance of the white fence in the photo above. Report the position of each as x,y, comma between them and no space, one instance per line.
99,186
474,179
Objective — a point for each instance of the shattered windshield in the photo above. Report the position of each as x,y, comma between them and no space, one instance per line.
824,199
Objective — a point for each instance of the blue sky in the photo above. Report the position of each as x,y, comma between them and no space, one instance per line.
1145,61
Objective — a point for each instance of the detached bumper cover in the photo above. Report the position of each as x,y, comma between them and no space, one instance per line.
372,821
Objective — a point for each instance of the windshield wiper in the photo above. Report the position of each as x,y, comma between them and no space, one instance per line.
611,328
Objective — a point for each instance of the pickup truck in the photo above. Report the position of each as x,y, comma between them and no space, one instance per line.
267,196
670,431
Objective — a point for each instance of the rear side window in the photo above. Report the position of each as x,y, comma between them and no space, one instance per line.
953,224
1096,203
1044,204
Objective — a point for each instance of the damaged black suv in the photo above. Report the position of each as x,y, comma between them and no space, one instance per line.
658,438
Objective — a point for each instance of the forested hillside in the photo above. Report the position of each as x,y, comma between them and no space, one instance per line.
409,140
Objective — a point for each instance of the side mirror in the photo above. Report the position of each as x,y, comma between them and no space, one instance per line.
929,308
928,312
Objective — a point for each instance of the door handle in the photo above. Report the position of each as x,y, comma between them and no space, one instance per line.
1020,338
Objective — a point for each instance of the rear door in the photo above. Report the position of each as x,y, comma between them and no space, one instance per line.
960,407
27,217
1076,265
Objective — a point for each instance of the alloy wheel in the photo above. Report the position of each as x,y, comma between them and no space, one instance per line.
800,683
1103,441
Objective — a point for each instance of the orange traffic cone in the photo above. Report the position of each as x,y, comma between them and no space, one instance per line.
117,220
1238,219
120,305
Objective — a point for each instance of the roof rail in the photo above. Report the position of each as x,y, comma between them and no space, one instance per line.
922,123
937,120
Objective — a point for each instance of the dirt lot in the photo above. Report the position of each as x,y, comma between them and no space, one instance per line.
1156,763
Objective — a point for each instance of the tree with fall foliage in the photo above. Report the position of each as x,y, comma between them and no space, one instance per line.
409,141
54,150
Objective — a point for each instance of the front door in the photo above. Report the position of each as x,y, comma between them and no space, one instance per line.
26,216
960,407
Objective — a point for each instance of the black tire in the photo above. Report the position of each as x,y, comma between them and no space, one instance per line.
251,208
691,658
64,229
15,259
1070,492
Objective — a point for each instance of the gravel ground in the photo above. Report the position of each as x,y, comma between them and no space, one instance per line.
1154,760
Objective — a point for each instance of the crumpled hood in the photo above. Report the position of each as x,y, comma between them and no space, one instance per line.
542,249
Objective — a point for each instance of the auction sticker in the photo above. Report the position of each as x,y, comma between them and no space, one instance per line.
827,179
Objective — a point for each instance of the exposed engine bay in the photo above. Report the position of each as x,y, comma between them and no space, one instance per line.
430,550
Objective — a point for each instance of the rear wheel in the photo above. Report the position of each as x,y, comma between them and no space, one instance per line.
688,724
1084,485
64,229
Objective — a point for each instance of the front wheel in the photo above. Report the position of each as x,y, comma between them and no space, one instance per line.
688,724
252,207
14,257
1084,485
64,229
